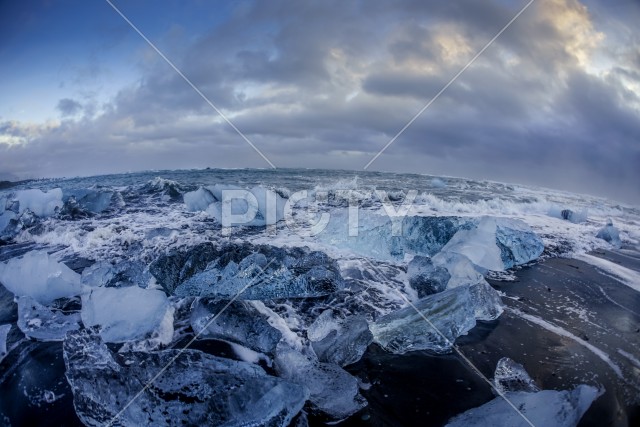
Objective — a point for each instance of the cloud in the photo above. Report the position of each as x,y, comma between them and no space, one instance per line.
328,84
68,107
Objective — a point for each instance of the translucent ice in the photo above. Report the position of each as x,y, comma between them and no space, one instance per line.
449,314
339,341
39,202
266,204
511,376
461,270
198,200
238,323
38,275
496,243
332,389
125,314
125,273
5,219
610,234
43,323
421,235
425,277
194,389
549,408
4,331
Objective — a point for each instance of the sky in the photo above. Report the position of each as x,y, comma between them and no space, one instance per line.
553,101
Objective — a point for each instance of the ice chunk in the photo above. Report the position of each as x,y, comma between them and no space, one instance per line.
449,314
72,210
122,274
332,389
194,389
4,331
497,243
41,203
269,272
478,244
421,235
517,242
339,341
43,323
97,201
425,277
5,219
610,234
38,275
511,376
548,408
267,204
239,323
461,271
198,200
124,314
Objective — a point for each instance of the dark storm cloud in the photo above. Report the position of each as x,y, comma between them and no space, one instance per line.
327,84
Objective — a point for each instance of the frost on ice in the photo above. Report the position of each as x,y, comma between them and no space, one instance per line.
43,323
195,389
239,323
40,276
549,408
126,314
450,314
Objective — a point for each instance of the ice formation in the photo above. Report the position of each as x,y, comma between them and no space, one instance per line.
461,271
43,323
122,274
254,272
449,314
332,389
4,331
126,314
238,322
39,275
339,341
496,243
549,408
425,277
198,200
195,389
511,376
262,206
610,234
41,203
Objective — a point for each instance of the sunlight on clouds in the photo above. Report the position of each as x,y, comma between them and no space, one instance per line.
15,132
573,23
453,46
